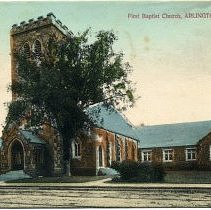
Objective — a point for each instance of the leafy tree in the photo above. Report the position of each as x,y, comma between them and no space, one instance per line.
66,79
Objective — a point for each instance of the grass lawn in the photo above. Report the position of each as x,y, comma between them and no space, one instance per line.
63,179
177,177
188,177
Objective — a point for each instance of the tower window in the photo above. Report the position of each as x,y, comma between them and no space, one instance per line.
37,48
26,50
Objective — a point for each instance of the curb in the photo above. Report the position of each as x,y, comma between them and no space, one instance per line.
108,188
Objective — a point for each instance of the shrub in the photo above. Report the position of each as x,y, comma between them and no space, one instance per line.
141,172
159,172
128,169
145,172
115,165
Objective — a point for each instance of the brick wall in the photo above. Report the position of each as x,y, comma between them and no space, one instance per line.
179,161
203,153
88,163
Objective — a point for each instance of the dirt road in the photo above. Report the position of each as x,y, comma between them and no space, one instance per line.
26,198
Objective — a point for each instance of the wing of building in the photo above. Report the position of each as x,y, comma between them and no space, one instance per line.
177,146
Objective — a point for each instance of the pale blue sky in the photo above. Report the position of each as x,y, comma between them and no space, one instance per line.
170,57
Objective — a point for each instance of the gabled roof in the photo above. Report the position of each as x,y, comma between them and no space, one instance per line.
31,137
181,134
111,120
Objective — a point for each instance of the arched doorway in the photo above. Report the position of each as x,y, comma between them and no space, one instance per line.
17,156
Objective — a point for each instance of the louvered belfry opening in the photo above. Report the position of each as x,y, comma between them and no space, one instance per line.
37,48
26,50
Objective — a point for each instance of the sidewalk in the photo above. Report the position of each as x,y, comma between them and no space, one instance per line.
13,175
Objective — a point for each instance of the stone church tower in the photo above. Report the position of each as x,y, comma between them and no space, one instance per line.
41,153
32,37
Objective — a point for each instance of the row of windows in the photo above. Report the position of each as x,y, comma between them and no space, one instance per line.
36,49
168,155
76,151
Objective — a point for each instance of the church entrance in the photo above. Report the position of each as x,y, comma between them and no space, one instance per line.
17,156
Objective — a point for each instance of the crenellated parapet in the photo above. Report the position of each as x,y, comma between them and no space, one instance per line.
41,21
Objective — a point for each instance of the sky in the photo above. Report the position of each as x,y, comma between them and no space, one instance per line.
170,56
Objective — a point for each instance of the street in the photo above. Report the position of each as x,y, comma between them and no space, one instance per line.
92,197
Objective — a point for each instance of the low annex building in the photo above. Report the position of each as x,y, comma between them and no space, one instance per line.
177,146
38,151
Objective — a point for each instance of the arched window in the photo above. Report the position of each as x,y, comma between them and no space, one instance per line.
26,50
108,151
76,149
118,152
100,157
126,150
37,48
133,152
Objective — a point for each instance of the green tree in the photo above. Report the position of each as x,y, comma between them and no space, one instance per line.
66,79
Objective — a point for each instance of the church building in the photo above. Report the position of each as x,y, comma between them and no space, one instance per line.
39,151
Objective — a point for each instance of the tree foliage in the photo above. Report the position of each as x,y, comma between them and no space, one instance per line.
69,76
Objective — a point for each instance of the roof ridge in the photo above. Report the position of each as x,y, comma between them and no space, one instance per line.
171,124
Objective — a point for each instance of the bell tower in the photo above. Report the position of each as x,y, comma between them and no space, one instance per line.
32,37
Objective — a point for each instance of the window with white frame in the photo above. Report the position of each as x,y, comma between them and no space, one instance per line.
167,155
76,149
146,156
190,154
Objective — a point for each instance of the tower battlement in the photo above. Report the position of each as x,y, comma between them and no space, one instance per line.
40,22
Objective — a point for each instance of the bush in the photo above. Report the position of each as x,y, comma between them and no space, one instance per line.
128,169
115,165
145,172
159,172
141,172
